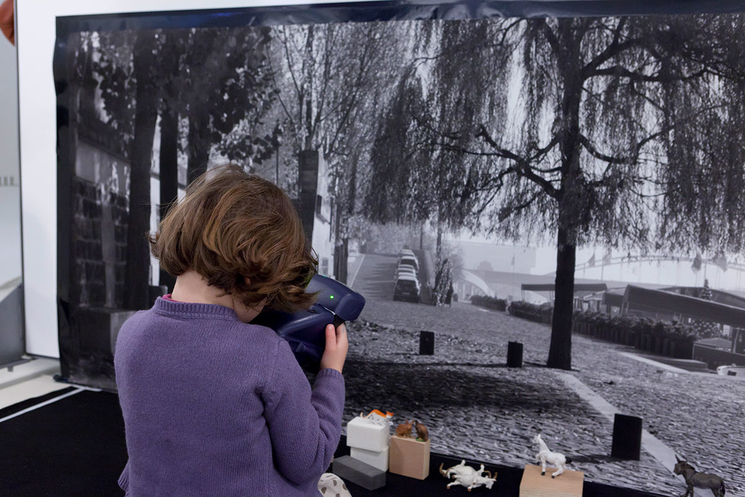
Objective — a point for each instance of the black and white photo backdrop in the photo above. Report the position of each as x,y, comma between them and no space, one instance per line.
565,175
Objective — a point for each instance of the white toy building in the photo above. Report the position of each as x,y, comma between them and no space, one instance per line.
369,439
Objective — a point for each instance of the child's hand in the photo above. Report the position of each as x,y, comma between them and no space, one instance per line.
336,348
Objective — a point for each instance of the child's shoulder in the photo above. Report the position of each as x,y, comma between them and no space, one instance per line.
262,334
136,317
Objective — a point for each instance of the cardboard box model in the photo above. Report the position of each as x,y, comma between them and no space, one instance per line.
568,484
409,457
368,434
377,460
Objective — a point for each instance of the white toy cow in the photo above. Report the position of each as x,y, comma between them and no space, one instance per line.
468,477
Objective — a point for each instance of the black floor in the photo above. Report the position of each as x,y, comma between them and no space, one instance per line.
75,447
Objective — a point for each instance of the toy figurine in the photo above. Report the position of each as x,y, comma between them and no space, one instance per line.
555,459
458,469
421,431
404,429
700,480
378,417
468,477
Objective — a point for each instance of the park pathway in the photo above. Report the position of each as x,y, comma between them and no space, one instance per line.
375,273
476,407
375,276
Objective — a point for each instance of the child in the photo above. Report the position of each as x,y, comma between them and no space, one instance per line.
215,406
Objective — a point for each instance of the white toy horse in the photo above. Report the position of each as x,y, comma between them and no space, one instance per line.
555,459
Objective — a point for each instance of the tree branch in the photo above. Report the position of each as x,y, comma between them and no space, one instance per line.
506,212
620,71
613,49
553,41
541,152
523,166
585,142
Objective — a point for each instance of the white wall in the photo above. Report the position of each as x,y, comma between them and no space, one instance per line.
10,201
35,38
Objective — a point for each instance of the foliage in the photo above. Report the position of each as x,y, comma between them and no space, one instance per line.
544,310
448,268
489,302
641,325
485,266
703,328
217,77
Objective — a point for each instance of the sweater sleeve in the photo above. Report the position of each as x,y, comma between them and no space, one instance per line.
304,424
124,478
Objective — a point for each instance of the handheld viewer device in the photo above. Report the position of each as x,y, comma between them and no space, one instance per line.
305,331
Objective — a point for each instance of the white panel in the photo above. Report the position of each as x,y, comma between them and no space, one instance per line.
10,233
35,39
10,196
9,111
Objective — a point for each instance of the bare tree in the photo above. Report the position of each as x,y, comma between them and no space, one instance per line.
334,76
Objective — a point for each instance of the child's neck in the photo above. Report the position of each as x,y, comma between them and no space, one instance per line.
190,287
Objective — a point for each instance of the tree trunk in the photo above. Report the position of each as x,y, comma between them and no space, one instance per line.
571,199
341,254
340,261
344,213
168,172
560,351
438,266
138,255
438,247
199,144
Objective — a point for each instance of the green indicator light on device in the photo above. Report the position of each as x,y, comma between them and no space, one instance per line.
331,296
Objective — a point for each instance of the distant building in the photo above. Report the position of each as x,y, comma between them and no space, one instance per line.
493,270
501,258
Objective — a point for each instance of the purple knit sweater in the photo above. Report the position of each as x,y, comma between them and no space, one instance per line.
216,407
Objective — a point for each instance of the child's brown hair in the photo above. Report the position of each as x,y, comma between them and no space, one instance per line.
242,234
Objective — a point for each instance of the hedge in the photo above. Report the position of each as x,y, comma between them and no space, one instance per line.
489,302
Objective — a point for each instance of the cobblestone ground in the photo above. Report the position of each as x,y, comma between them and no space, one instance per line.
476,407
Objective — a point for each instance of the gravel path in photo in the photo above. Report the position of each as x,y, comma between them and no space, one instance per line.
476,407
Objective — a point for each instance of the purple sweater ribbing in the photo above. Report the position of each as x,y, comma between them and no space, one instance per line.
213,406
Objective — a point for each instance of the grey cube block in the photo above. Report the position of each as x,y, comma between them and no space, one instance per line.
359,473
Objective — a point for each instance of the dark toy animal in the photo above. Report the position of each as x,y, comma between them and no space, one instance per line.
700,480
421,431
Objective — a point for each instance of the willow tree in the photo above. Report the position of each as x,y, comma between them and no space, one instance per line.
418,178
605,130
